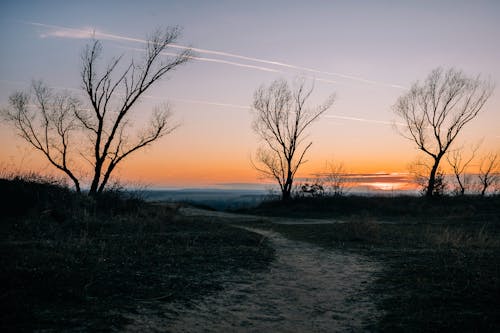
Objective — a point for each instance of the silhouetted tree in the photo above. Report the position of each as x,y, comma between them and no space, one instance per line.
459,165
489,171
336,179
50,124
47,122
281,120
435,112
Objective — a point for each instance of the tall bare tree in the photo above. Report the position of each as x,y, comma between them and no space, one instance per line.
489,171
436,111
459,164
112,93
281,118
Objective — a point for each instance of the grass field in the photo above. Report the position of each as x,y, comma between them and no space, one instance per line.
70,263
441,268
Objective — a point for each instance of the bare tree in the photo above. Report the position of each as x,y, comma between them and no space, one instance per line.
437,110
459,165
112,93
336,179
46,121
281,120
489,171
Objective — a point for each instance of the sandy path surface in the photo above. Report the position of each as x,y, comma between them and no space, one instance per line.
306,289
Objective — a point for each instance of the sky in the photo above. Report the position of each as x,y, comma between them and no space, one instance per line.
366,52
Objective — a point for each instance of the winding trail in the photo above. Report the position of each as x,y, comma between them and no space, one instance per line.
305,289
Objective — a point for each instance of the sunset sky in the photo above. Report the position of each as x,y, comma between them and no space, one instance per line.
366,52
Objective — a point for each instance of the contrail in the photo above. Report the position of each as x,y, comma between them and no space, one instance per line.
195,101
383,122
182,100
220,61
358,119
227,62
215,103
65,32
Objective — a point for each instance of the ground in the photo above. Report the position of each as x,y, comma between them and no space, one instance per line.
336,264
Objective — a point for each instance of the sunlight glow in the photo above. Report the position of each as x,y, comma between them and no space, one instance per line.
384,186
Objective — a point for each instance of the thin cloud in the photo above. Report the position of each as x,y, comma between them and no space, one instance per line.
364,120
214,103
182,100
74,34
220,61
65,32
195,101
300,68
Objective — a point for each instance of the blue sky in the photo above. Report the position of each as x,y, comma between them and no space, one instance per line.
366,52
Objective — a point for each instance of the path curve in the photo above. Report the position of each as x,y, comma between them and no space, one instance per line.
305,289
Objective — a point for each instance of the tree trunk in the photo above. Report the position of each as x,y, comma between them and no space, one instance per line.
485,186
462,187
286,194
432,178
95,181
93,188
76,182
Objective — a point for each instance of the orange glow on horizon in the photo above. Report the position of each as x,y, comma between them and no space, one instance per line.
391,186
166,164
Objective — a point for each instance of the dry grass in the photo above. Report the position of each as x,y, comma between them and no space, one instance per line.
441,271
67,266
449,237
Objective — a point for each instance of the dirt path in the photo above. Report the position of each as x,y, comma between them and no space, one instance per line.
306,289
239,218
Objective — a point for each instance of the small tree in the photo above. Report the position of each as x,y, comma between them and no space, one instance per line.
48,126
489,171
335,178
436,111
459,165
60,128
281,120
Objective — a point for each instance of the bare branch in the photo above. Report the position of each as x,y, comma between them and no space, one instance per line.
46,123
459,164
58,127
281,117
124,88
436,111
489,171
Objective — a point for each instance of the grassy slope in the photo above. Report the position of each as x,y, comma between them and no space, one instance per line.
441,268
69,263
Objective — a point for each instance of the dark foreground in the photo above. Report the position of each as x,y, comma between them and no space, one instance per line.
69,263
440,259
